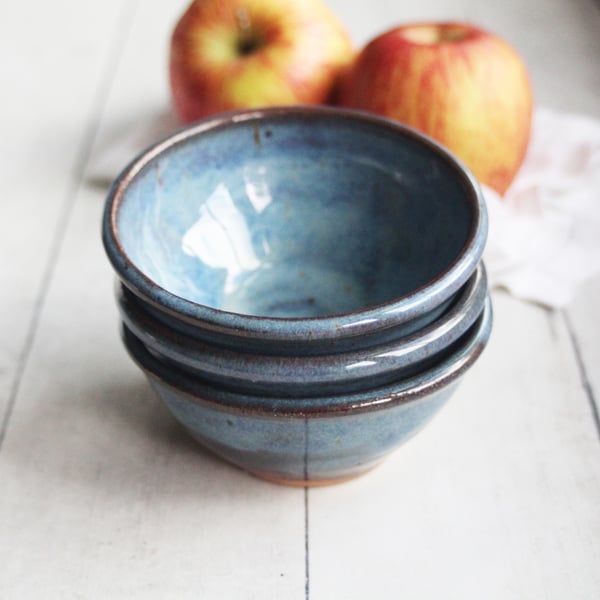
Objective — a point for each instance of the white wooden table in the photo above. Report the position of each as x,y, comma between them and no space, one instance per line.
102,495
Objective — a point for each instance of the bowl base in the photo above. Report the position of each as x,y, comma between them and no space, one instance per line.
310,482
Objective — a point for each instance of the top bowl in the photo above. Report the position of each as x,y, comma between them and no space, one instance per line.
295,227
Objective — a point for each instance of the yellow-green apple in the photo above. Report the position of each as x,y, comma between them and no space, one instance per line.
462,85
229,54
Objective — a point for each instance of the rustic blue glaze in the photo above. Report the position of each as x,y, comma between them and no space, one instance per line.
310,375
295,229
310,440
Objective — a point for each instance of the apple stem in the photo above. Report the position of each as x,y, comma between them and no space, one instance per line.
248,41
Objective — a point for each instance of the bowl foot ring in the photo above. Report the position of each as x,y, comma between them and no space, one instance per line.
272,478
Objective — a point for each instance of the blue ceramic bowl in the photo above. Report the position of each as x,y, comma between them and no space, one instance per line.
295,230
309,375
310,441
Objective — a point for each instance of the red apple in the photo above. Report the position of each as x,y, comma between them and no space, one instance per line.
229,54
462,85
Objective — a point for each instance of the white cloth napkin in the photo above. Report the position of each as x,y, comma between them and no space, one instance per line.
544,237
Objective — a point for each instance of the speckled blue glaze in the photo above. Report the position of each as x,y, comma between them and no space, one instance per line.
310,440
285,227
310,375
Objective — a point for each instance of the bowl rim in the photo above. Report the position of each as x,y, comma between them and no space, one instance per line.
197,391
268,371
372,318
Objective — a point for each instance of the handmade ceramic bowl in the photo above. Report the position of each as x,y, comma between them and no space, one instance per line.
295,230
310,441
309,375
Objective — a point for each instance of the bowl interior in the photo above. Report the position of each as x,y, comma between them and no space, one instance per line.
303,216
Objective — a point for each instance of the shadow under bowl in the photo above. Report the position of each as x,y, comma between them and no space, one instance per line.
295,229
310,441
309,375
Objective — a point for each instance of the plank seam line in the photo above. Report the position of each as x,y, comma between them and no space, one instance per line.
306,523
82,156
583,375
306,548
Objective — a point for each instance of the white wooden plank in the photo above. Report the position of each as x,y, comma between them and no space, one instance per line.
584,322
51,68
141,85
497,498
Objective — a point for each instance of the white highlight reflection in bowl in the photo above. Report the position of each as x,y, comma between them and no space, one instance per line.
220,237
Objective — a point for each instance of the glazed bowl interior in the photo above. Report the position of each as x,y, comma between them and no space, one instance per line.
293,214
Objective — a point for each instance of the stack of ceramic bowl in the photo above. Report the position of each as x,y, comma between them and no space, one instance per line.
302,286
